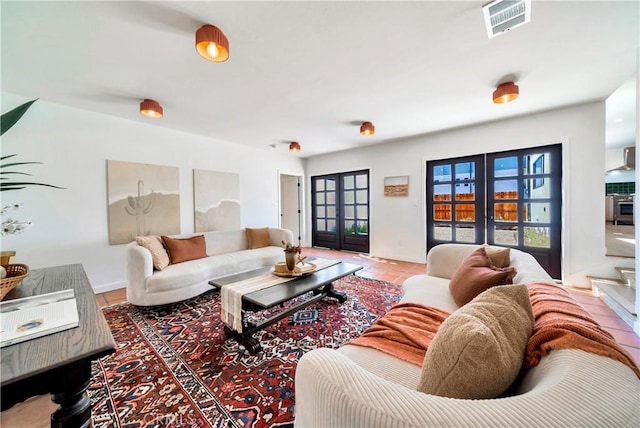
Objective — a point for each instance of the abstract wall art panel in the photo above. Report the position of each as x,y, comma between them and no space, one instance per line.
143,200
216,197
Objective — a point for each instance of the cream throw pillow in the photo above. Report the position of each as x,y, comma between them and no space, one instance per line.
479,349
157,250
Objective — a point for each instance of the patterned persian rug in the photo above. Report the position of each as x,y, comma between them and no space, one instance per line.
175,369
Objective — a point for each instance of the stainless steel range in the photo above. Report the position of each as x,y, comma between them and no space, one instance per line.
623,209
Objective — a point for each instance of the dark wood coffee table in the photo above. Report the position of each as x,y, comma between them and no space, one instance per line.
319,283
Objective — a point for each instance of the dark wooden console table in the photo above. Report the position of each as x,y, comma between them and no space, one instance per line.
60,363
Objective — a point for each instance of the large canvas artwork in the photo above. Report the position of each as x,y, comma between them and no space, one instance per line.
143,200
216,199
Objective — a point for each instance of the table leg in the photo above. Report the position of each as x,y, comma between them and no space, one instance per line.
75,406
331,292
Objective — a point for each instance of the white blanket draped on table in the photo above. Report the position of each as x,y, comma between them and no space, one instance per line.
231,294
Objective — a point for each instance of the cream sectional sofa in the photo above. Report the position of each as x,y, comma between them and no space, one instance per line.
356,386
227,253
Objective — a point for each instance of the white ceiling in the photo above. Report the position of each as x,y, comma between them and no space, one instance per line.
312,71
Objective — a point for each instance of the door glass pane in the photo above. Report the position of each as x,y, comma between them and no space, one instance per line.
505,212
321,225
506,235
537,237
349,211
331,211
331,184
506,189
536,164
320,184
536,212
320,212
363,228
331,198
442,212
331,225
441,173
348,182
465,233
442,192
361,196
349,227
535,188
362,211
506,167
349,197
465,191
465,212
361,181
319,198
442,232
465,171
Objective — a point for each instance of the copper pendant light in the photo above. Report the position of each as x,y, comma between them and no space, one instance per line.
505,93
212,44
294,146
367,128
151,108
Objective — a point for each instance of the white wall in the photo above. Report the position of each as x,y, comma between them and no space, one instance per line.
70,226
398,224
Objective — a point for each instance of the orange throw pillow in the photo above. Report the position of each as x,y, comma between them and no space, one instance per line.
182,250
475,275
258,238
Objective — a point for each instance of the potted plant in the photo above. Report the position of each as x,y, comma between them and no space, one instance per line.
290,252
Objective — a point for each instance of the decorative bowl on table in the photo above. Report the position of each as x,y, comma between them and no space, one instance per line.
15,274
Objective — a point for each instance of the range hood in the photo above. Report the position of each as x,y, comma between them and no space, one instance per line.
629,160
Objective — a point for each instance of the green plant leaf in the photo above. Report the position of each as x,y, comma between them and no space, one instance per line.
12,186
8,119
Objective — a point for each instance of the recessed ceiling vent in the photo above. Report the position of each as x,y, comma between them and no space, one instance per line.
503,15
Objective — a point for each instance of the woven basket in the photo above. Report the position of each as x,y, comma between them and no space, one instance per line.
15,274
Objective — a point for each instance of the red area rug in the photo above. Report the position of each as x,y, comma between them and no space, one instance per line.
175,369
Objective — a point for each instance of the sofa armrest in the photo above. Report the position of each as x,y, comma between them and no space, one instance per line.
444,259
276,236
564,390
139,268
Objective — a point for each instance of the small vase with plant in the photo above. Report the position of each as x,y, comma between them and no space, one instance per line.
290,252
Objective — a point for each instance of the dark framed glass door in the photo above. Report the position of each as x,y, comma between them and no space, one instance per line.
455,201
511,199
524,200
340,211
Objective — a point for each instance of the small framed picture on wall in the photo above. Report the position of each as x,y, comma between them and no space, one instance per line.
396,186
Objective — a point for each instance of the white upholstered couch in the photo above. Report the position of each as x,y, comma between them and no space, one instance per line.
356,386
228,253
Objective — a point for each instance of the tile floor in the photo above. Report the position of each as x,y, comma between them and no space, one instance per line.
35,412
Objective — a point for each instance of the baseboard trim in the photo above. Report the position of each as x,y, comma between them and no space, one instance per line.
109,287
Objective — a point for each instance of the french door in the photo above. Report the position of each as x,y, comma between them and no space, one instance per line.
340,211
511,199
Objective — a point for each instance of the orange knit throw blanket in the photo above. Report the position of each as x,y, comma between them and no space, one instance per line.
405,331
560,323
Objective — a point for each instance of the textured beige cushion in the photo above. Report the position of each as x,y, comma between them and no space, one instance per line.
478,351
258,238
475,274
158,253
500,257
182,250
